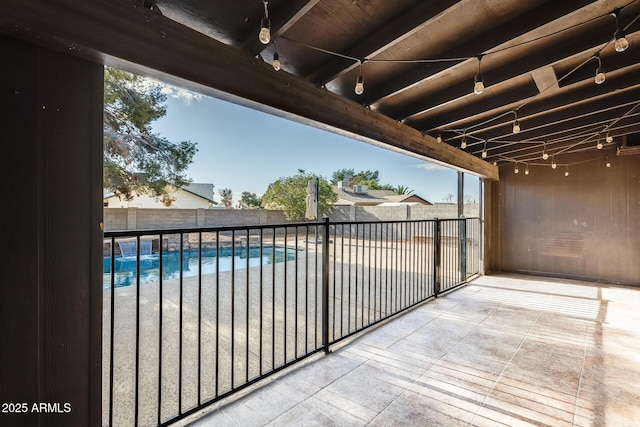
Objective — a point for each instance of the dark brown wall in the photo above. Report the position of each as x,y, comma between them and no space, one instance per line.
585,225
50,240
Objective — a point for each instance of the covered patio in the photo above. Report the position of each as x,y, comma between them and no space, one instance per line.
506,349
552,131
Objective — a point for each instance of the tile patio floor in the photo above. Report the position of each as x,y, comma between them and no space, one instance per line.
504,350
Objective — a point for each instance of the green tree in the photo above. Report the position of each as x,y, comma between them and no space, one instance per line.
290,194
136,160
251,199
401,189
226,197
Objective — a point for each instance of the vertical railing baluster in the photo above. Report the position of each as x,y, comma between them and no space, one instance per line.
436,257
233,307
261,299
180,324
247,295
333,298
199,316
217,373
295,291
137,378
273,299
325,286
160,313
306,289
284,335
112,266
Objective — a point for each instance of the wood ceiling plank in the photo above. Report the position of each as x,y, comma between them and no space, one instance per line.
377,41
514,28
113,32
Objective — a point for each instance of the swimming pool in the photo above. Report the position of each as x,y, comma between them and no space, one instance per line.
125,267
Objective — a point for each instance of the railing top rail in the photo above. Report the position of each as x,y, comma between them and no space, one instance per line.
147,232
185,230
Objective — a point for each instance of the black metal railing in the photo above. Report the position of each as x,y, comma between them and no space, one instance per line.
192,316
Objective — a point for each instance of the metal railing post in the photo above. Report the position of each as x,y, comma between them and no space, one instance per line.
436,258
462,250
325,286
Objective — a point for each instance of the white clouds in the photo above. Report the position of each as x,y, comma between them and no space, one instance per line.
181,94
430,167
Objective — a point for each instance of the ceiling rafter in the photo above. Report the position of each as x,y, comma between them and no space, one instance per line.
378,41
512,29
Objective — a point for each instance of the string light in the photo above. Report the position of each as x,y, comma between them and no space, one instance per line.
621,44
608,162
265,26
545,156
516,170
566,170
478,84
516,123
495,163
463,144
609,138
526,169
599,144
600,77
359,89
276,61
484,150
439,139
553,163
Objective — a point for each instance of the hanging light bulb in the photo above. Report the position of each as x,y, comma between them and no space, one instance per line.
516,123
526,169
608,162
478,84
516,170
553,163
359,89
609,138
463,144
276,61
621,44
566,170
599,144
484,150
439,139
600,77
265,26
495,163
545,156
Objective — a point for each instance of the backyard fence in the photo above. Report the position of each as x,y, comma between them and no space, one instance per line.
194,315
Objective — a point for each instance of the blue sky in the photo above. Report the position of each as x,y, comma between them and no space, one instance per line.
245,150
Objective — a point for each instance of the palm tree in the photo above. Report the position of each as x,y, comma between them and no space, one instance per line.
401,189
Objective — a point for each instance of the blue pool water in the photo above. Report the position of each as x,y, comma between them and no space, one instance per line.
125,267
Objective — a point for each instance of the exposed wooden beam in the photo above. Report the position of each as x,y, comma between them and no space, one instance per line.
379,40
502,67
113,32
511,29
282,18
477,112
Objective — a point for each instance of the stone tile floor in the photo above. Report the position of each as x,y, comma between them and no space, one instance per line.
504,350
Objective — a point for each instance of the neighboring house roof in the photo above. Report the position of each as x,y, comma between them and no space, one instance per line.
204,191
200,189
346,196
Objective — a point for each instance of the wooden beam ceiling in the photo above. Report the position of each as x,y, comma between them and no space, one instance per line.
114,32
536,61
